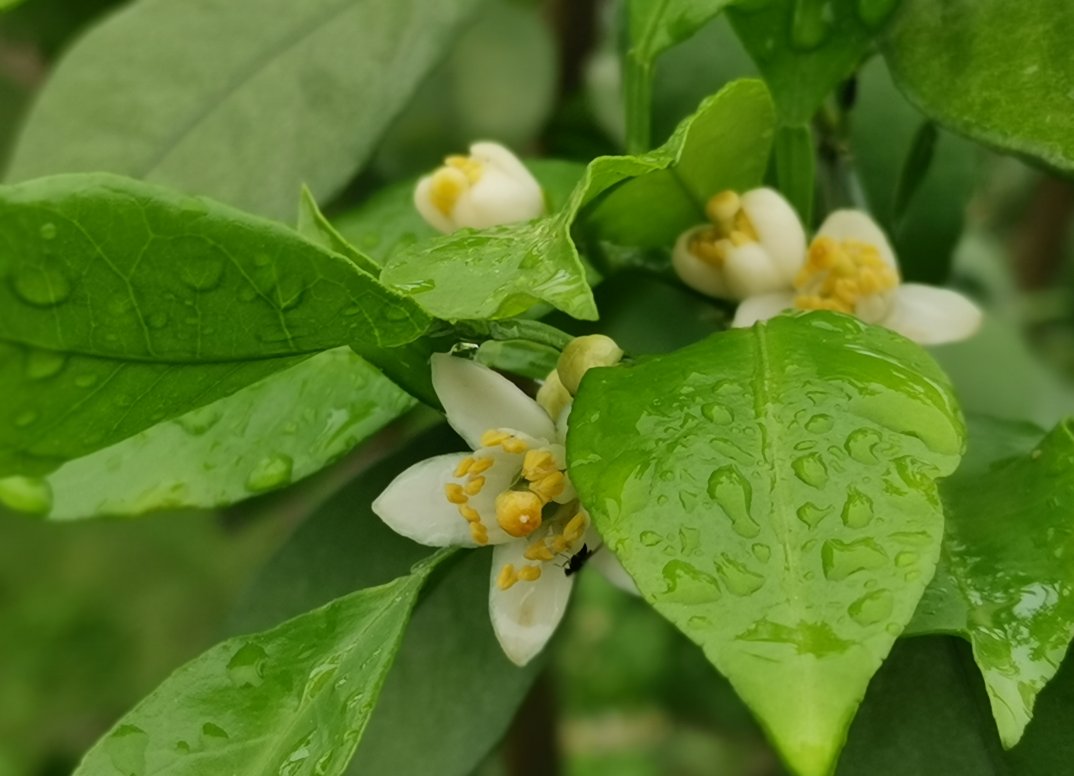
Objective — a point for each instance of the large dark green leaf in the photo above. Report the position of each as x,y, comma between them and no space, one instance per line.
451,693
804,48
998,72
295,699
771,492
242,100
265,436
1005,581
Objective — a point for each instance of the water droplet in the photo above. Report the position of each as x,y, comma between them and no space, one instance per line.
247,294
914,473
200,420
25,418
811,23
811,470
733,493
873,13
262,260
272,472
247,666
323,764
213,734
717,413
201,273
48,231
820,424
26,494
808,638
319,678
688,584
842,559
41,364
906,559
762,552
861,445
811,514
858,509
872,607
650,538
42,287
157,320
739,579
689,540
85,381
126,747
698,622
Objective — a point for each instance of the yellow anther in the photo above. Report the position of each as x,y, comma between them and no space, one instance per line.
493,437
474,486
575,528
723,207
455,494
710,247
538,464
480,466
738,238
469,513
538,551
550,487
467,165
518,512
514,445
507,577
479,533
447,186
560,544
464,466
838,273
529,573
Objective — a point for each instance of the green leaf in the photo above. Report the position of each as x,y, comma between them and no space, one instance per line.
267,435
771,492
1005,582
724,145
655,26
804,48
796,167
241,100
915,168
449,651
998,74
296,698
313,225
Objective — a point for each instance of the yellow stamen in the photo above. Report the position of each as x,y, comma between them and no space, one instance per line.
538,464
493,437
550,487
838,274
469,513
514,445
464,466
575,528
723,207
480,466
529,573
507,577
518,512
538,551
455,493
474,486
479,533
447,186
468,166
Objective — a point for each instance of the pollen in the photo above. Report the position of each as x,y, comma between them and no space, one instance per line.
575,528
455,493
469,514
514,445
448,184
538,464
550,487
529,573
479,533
519,512
507,577
838,274
539,551
480,466
731,228
467,165
493,437
465,465
474,486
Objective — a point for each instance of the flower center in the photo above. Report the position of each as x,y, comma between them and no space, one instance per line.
561,538
731,228
846,276
449,182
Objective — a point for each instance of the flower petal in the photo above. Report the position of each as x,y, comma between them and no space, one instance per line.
501,158
750,271
423,201
933,316
415,506
761,308
779,230
697,274
477,399
525,616
857,225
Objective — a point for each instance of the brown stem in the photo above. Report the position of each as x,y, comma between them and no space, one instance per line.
530,748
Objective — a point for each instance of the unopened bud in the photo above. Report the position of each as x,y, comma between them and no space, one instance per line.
583,354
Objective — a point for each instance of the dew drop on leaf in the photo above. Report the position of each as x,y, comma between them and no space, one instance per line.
873,13
687,584
48,231
41,364
811,470
271,472
42,287
841,559
26,494
811,514
25,418
737,578
872,607
733,493
811,23
86,381
861,445
247,666
857,509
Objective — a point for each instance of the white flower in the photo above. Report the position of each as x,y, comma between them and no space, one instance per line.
754,245
851,268
487,188
511,492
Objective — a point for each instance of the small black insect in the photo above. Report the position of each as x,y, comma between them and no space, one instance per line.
574,565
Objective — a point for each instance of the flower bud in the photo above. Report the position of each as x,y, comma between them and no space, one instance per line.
487,188
584,353
552,396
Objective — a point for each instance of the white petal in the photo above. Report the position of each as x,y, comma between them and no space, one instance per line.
749,271
699,275
933,316
604,561
857,225
414,504
477,399
778,228
761,308
525,616
498,198
423,201
501,158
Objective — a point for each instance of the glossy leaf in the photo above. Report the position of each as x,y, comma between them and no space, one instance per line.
241,100
293,699
804,48
796,168
725,145
997,73
771,492
448,652
265,436
1005,581
313,225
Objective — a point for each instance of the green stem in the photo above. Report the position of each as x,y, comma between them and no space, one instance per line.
639,100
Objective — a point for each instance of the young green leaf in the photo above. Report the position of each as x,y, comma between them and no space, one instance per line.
448,652
796,160
241,100
804,48
1005,581
725,145
313,225
296,698
997,73
267,435
771,490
